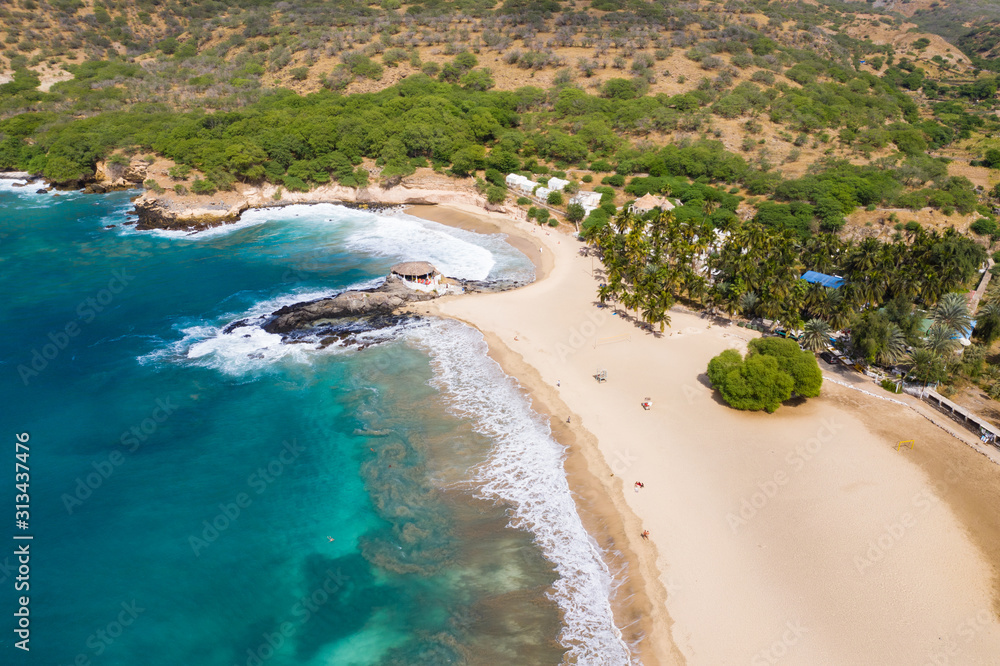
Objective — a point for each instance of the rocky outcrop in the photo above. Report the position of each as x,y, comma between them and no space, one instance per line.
386,300
157,214
166,210
111,176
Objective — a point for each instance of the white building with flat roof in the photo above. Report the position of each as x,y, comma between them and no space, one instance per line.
520,183
557,184
589,200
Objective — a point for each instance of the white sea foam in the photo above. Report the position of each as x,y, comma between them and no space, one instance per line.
248,348
400,237
204,234
116,216
391,234
525,468
406,238
27,191
17,185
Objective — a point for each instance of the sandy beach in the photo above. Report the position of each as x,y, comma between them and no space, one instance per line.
802,537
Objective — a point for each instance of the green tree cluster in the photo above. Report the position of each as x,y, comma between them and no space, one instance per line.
773,370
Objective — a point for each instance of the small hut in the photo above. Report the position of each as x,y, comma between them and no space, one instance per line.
418,274
648,202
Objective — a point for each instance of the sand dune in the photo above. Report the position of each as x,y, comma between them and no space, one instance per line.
801,537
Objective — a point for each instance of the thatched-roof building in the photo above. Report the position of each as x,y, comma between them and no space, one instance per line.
648,202
414,270
422,276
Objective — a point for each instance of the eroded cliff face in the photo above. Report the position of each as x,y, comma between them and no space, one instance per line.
111,176
165,209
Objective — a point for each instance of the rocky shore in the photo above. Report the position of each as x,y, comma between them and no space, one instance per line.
360,308
165,209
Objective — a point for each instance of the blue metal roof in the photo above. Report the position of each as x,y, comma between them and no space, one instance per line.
831,281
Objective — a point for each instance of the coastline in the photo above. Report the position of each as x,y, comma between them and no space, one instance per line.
168,210
826,567
639,602
955,544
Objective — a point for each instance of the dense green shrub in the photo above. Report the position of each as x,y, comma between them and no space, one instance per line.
754,384
772,371
495,195
200,186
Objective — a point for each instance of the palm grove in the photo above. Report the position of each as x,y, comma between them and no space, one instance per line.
753,270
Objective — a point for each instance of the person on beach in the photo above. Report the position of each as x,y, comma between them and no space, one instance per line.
645,534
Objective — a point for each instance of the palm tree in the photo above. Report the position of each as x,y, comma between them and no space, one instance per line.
953,311
940,339
816,335
841,316
892,348
927,366
747,304
816,300
988,323
863,258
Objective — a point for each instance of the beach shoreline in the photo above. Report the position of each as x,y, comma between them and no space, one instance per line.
707,567
596,488
779,567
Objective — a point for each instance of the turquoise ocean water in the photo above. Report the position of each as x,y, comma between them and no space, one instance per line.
187,478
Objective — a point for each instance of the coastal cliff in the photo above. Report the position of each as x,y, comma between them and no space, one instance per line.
168,210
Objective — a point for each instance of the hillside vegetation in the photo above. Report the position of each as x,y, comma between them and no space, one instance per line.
801,116
857,138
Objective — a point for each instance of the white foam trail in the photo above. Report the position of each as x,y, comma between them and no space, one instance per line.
117,216
204,234
525,469
241,351
392,234
406,238
17,185
249,349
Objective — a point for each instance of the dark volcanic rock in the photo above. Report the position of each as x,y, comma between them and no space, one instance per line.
375,303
